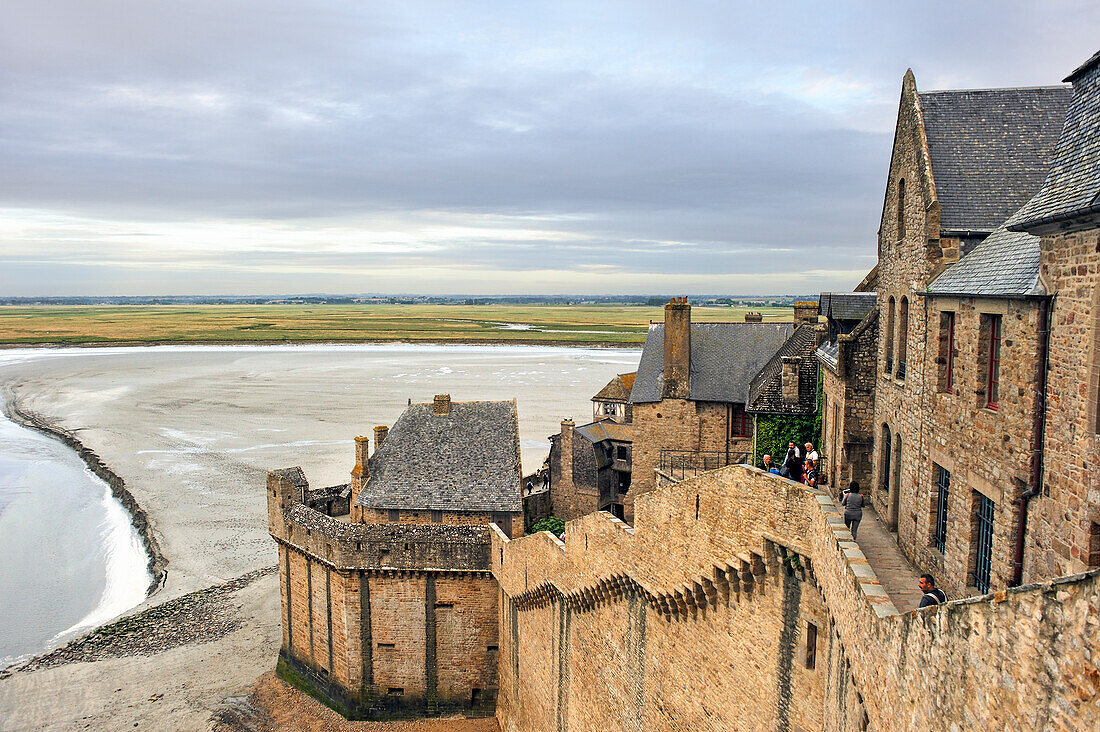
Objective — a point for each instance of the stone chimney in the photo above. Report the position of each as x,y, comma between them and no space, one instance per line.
791,366
380,433
806,311
361,471
677,384
754,317
441,406
566,445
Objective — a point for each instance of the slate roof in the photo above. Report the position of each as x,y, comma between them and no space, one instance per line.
766,388
724,358
616,390
1072,186
990,150
829,354
1006,264
605,429
847,305
467,460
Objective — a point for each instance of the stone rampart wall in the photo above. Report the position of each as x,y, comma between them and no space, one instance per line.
385,619
697,618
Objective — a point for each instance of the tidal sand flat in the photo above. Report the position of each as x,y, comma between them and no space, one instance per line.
193,431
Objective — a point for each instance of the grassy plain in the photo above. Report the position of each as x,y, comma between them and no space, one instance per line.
563,324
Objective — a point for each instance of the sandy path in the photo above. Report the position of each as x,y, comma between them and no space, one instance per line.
193,432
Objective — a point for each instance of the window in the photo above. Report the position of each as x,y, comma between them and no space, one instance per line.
1094,545
738,424
887,448
393,515
943,488
890,336
983,556
621,452
811,646
992,332
947,352
903,336
901,209
437,516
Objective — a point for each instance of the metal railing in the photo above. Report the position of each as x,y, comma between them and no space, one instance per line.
681,464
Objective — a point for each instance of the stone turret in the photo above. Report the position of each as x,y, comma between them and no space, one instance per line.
677,377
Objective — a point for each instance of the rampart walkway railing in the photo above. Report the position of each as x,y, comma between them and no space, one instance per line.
681,464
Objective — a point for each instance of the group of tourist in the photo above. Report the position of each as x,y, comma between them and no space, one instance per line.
802,467
796,466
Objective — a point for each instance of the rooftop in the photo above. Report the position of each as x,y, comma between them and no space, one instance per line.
724,359
990,150
606,429
616,390
766,388
1003,265
1071,190
847,305
465,460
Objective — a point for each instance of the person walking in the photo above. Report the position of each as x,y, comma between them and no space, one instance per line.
853,507
932,595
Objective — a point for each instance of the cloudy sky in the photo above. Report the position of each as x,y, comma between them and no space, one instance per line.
292,146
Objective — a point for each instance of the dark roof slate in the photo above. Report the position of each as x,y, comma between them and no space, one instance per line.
605,429
990,150
724,358
766,388
467,460
1072,186
847,305
1005,264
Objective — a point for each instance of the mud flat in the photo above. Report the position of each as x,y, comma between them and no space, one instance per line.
192,432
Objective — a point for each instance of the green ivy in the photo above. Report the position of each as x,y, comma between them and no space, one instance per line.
552,524
774,431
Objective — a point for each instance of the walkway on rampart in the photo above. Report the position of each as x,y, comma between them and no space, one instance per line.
895,572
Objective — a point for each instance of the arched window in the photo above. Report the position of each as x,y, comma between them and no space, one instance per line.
903,335
901,209
890,336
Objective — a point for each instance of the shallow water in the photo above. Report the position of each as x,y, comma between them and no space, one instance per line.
193,429
71,558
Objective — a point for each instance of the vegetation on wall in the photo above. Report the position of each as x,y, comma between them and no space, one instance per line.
774,431
552,524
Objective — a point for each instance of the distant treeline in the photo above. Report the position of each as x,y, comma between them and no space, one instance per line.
647,300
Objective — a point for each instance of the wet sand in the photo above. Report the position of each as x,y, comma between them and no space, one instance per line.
193,431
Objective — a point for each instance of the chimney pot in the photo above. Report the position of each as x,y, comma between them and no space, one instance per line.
806,311
380,433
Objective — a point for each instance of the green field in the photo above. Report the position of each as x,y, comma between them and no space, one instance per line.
568,324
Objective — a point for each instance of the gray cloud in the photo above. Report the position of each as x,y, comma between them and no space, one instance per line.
685,139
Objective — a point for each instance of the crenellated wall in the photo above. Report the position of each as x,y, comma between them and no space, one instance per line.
697,618
383,619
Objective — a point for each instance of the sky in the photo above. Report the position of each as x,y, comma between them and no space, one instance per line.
313,146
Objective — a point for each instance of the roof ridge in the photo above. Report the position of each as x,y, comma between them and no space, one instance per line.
995,89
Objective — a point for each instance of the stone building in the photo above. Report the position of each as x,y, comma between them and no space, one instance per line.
391,609
699,386
848,358
1062,510
590,468
613,401
959,313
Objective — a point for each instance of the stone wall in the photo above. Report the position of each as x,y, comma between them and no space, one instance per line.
384,619
574,476
514,521
848,400
1064,523
698,617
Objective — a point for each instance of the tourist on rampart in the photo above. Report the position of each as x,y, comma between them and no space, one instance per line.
932,595
811,473
792,463
768,465
853,507
811,453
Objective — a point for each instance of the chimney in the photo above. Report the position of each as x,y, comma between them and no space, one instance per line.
566,445
791,365
677,384
441,406
754,317
380,433
806,311
361,471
